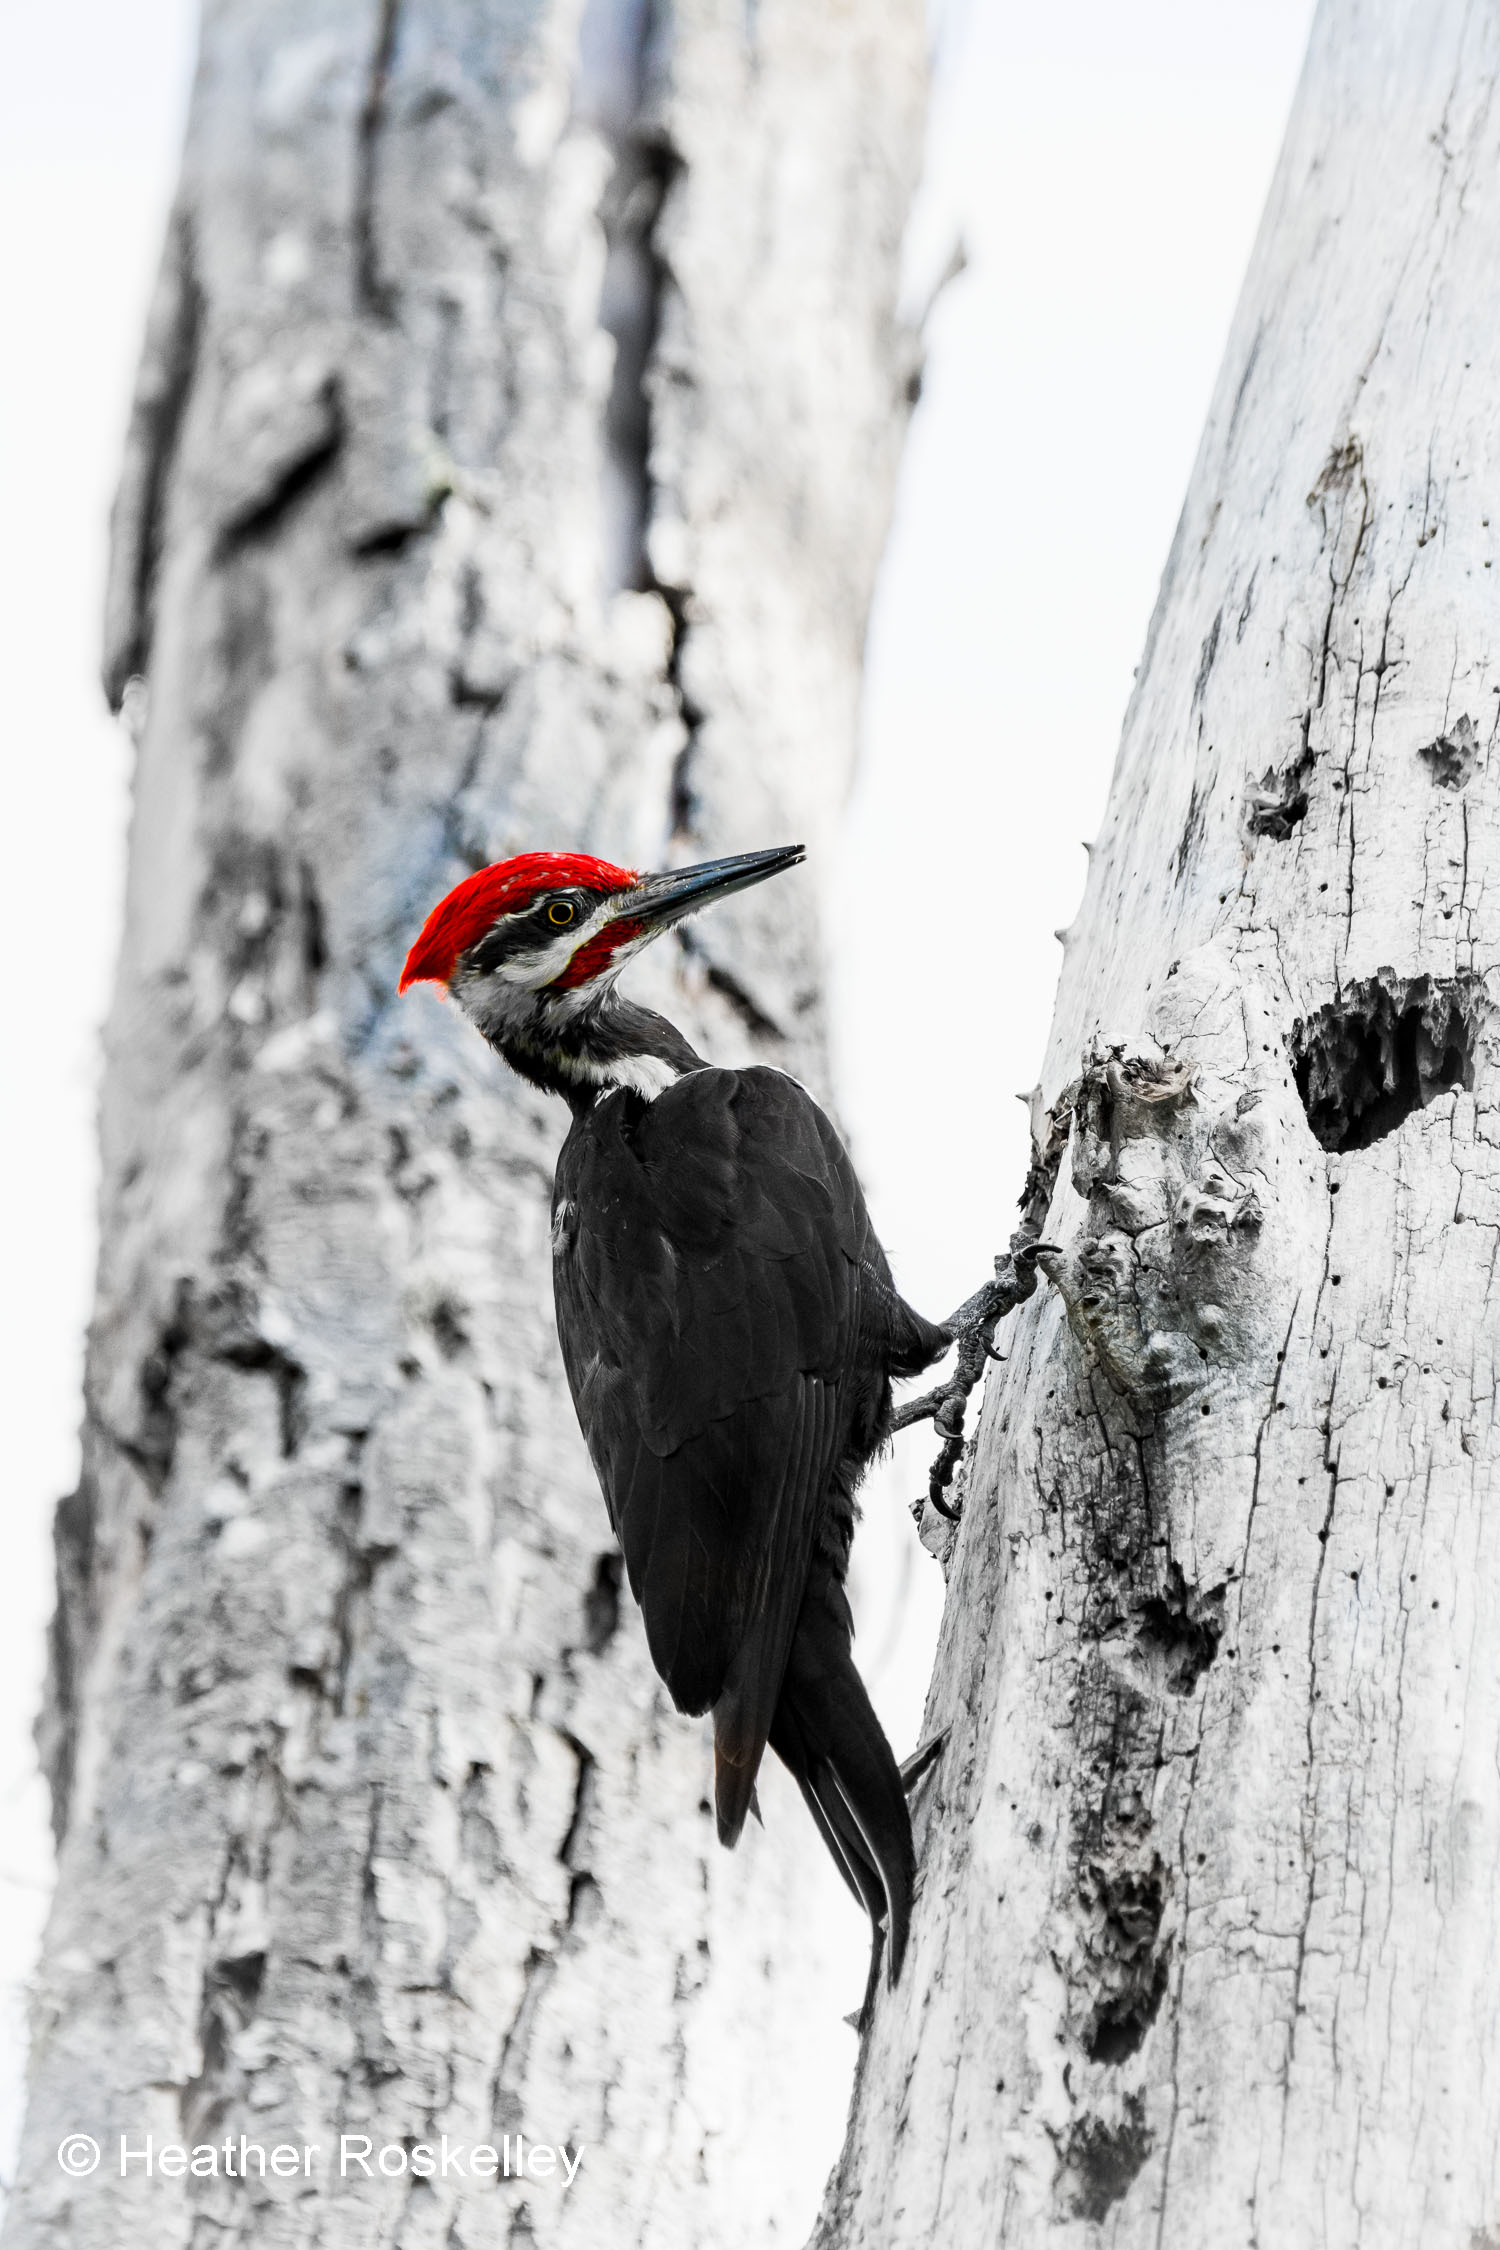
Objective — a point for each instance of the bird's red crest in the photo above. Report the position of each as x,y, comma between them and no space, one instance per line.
461,919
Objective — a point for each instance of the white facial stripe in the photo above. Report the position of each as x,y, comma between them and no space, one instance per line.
531,971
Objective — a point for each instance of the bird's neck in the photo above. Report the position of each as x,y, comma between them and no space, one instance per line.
586,1053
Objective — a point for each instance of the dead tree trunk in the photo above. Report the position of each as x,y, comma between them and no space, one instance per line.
373,1817
1205,1953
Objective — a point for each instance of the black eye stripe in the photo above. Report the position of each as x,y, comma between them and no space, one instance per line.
530,932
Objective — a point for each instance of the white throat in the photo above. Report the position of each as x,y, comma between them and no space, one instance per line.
549,1026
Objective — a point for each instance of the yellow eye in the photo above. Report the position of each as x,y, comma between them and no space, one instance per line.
560,913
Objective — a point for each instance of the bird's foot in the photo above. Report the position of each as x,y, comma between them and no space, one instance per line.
972,1328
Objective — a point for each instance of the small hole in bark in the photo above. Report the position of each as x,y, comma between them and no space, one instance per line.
1386,1048
1451,759
448,1327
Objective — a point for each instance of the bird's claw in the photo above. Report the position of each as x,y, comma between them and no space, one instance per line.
972,1329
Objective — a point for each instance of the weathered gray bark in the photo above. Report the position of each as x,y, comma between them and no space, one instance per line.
1205,1952
373,1817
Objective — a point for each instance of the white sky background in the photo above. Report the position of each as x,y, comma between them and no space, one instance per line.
1104,162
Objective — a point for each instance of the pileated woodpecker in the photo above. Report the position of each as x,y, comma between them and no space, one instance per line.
729,1327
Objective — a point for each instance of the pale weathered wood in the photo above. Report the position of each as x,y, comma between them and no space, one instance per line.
1206,1950
373,1816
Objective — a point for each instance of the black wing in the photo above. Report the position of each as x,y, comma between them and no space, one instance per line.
714,1262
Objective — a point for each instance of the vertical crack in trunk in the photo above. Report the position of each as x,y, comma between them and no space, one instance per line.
507,2106
635,276
373,293
70,1632
683,807
137,528
614,93
610,93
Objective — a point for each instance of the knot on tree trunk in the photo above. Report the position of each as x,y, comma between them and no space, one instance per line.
1156,1276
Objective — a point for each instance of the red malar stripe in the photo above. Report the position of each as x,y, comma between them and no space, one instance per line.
588,961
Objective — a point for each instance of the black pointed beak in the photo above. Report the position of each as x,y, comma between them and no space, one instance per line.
657,901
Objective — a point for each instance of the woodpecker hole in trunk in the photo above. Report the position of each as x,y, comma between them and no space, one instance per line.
1451,760
1384,1049
1181,1629
1126,1906
1120,2027
1277,804
1101,2160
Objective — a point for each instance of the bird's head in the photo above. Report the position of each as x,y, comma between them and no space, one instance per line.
531,947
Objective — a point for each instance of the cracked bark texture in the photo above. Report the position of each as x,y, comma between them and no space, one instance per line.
1205,1952
372,1814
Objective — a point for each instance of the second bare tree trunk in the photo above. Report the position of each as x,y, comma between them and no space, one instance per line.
1206,1949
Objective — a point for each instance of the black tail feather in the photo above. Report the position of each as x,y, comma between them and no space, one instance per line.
742,1718
827,1734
